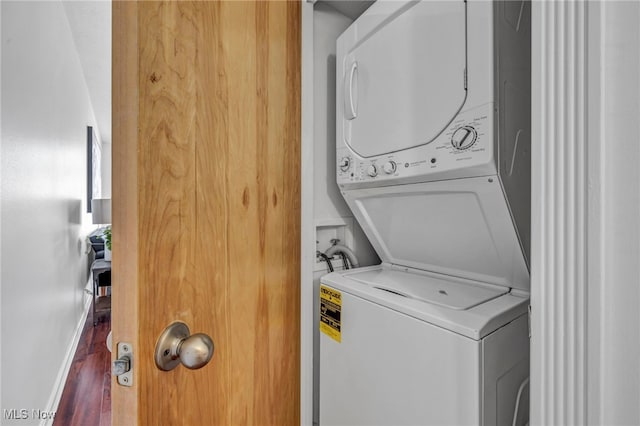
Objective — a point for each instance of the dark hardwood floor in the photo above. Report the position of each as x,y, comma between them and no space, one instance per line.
86,398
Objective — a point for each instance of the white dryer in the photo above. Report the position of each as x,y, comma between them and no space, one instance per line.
433,142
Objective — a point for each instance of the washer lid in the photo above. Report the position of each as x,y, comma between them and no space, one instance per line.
474,322
452,293
401,82
460,228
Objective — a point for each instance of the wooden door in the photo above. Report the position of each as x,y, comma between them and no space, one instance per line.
206,207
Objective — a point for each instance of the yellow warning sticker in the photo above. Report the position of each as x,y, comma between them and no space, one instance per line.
330,312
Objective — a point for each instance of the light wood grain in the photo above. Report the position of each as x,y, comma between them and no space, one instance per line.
218,149
125,227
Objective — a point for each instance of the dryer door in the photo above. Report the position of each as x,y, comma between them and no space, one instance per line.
401,83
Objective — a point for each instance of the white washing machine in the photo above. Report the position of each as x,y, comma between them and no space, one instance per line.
433,158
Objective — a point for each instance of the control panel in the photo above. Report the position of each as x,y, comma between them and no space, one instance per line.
467,142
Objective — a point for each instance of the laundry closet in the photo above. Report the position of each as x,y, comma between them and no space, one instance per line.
419,143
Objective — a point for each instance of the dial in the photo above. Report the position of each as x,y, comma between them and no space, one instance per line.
464,137
345,163
372,170
389,167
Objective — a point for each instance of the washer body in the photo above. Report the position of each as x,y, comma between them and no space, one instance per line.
409,355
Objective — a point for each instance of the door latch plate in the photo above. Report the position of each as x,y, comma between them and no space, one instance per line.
125,354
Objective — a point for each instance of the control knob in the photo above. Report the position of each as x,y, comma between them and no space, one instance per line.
345,163
389,167
372,170
464,137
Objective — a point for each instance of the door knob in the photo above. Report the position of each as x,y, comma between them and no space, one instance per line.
176,345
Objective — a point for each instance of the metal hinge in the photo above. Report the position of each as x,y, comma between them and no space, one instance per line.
123,366
529,319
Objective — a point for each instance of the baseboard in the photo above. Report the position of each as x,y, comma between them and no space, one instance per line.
58,387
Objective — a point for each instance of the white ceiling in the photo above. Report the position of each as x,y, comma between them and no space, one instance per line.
90,23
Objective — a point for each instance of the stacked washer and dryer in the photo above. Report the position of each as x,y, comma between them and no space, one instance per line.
433,158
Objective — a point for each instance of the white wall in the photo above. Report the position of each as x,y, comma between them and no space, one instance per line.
45,111
329,207
327,25
106,170
619,318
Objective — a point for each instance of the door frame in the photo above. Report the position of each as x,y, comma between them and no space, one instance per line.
584,321
124,106
307,234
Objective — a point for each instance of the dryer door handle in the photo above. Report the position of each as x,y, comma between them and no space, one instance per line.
351,92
